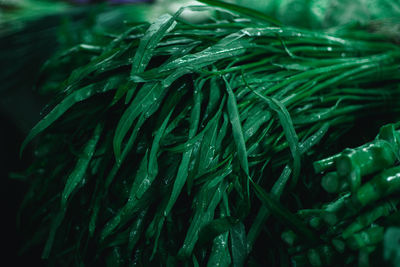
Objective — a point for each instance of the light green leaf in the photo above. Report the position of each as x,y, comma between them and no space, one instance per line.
154,34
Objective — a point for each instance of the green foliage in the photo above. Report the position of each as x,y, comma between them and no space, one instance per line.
174,142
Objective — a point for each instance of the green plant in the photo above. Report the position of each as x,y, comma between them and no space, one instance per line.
173,143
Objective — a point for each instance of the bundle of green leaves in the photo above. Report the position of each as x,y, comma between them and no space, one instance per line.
363,219
192,144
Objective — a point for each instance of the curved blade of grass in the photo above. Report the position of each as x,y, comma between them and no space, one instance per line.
184,166
230,46
72,182
75,97
151,39
99,63
207,154
148,109
237,133
288,128
148,43
142,173
147,95
144,178
81,166
207,201
236,127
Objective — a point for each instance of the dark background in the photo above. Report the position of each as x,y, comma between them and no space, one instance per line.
12,192
22,53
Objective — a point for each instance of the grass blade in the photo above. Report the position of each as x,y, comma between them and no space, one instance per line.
148,43
144,178
287,125
75,97
72,182
237,133
147,95
81,166
184,166
237,128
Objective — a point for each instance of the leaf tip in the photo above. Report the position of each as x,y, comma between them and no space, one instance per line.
23,145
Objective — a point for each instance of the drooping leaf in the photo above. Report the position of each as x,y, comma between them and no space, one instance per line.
75,97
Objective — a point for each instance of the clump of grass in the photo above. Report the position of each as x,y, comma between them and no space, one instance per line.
173,143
